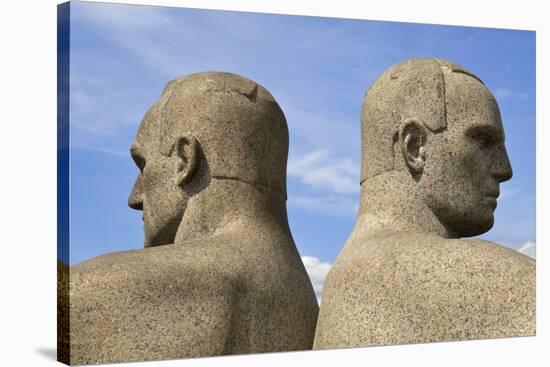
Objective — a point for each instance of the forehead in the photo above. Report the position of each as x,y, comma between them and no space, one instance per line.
469,103
147,135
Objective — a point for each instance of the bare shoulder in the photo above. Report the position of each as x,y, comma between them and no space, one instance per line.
413,287
494,251
163,291
410,251
163,264
405,260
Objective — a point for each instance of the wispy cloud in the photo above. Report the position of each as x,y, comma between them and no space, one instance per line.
99,107
330,183
322,170
508,192
529,248
515,213
127,17
113,152
138,29
505,93
332,205
317,271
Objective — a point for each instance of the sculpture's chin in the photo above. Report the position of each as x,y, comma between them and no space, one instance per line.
158,240
160,235
475,228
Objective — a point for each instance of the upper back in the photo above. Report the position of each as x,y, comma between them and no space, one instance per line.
213,297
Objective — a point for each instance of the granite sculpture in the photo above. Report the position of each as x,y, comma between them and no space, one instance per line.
433,158
220,273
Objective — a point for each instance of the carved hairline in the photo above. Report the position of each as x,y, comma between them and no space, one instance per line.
447,68
242,86
433,118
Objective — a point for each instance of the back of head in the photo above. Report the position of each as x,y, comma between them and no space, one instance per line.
240,127
411,89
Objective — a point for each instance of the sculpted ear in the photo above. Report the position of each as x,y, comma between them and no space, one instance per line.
185,148
412,138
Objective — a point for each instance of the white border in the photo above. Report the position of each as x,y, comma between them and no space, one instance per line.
27,184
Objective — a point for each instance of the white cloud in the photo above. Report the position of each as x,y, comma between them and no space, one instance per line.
126,17
529,248
320,170
81,103
335,181
507,192
114,152
139,29
504,93
317,271
98,107
337,205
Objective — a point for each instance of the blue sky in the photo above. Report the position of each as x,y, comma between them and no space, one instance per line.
318,69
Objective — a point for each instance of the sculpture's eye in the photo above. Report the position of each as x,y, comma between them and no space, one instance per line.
483,140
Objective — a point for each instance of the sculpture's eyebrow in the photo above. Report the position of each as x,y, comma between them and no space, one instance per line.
491,130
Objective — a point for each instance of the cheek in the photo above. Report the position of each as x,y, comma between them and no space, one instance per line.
453,175
470,184
476,167
163,200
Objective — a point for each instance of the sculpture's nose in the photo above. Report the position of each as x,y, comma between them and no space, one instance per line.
502,169
135,200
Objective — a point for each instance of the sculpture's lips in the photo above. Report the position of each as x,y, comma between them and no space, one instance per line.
491,200
493,194
491,197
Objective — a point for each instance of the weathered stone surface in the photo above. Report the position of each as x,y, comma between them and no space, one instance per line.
212,153
63,321
433,157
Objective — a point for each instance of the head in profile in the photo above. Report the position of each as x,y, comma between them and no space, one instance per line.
433,145
206,127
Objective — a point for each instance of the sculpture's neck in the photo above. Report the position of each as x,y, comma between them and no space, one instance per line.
392,201
228,204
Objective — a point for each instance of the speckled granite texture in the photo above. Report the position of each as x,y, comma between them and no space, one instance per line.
220,273
433,158
63,322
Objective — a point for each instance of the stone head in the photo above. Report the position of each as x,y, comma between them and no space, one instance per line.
440,125
155,192
205,126
227,124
